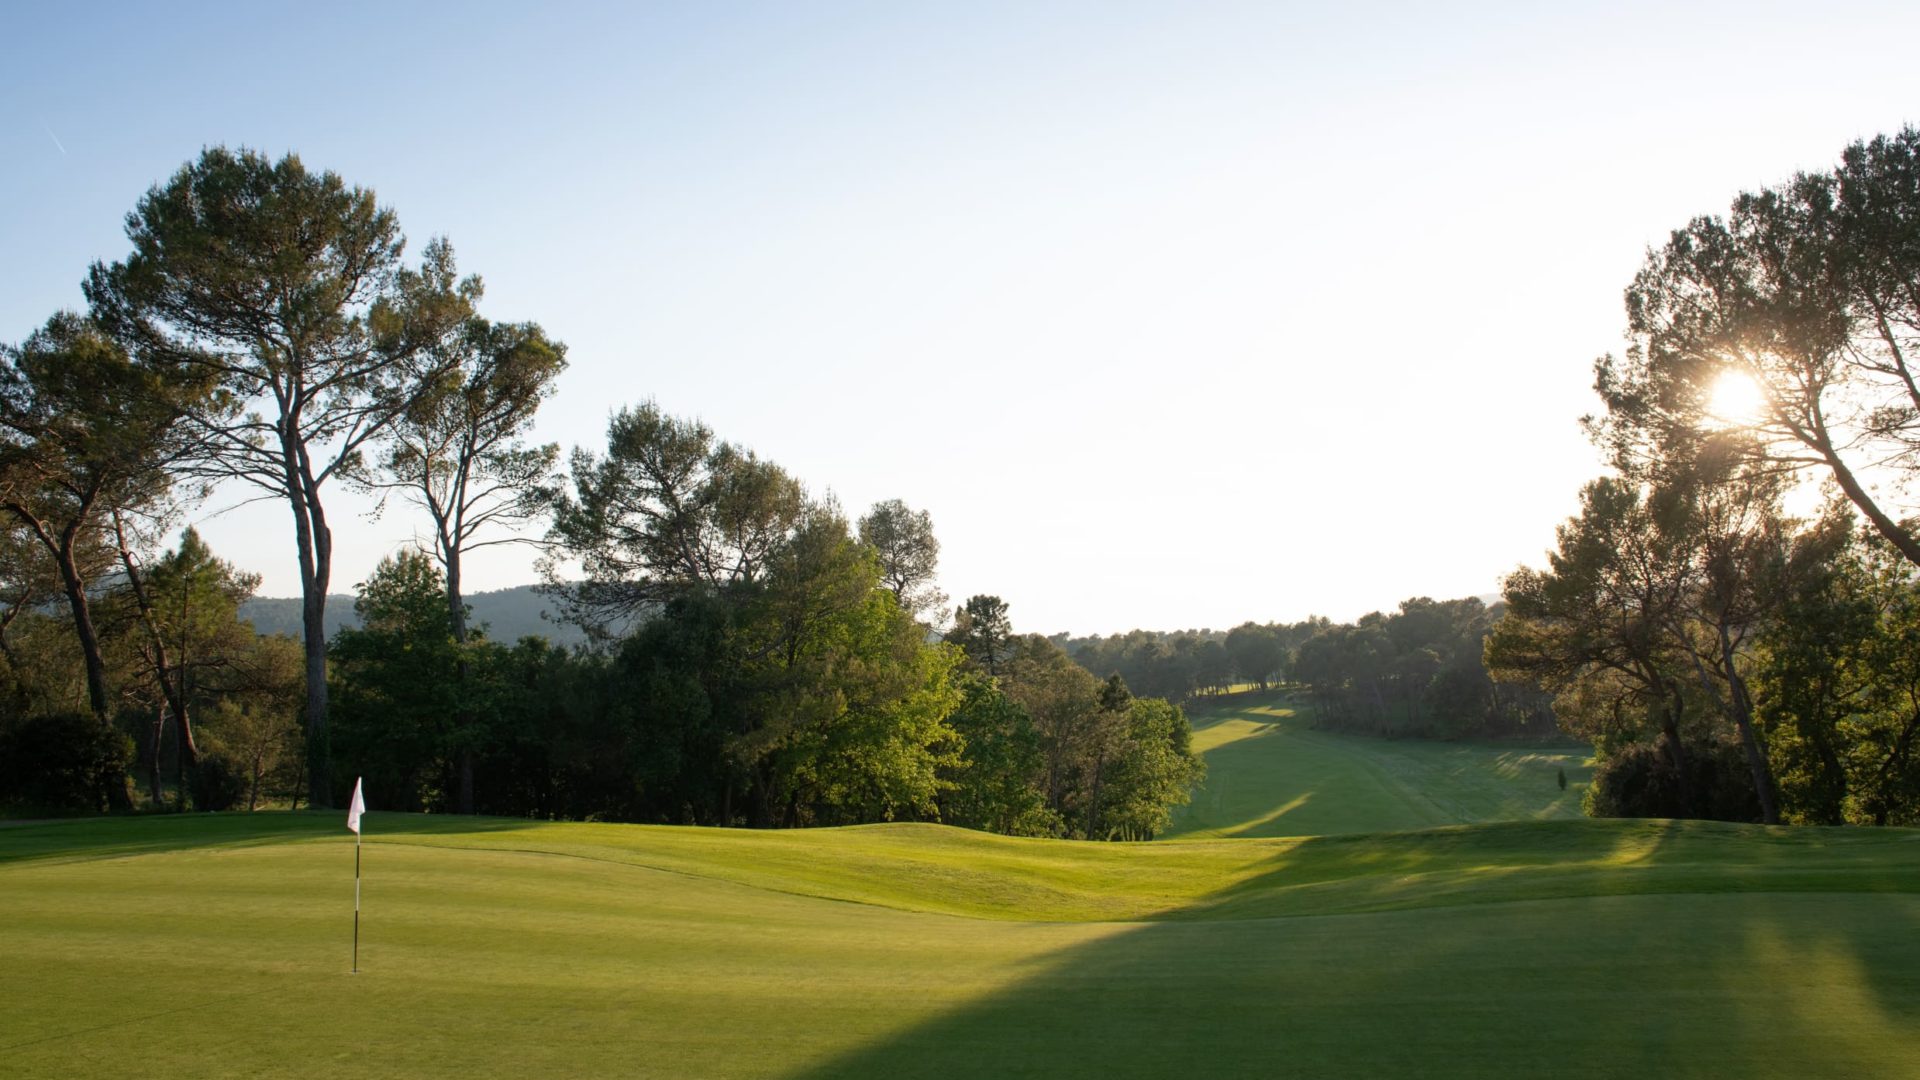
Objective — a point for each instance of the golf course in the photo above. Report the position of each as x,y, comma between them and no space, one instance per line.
220,945
1270,774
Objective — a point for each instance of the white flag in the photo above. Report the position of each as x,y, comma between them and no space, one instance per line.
355,808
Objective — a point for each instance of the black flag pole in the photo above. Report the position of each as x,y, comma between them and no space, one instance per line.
354,810
356,902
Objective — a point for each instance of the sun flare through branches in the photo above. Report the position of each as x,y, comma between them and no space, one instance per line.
1736,400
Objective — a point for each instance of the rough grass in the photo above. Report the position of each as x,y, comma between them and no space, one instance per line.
1270,774
218,946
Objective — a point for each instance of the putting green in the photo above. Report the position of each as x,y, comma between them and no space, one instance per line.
218,946
1270,774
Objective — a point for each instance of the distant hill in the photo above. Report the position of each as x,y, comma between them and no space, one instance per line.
507,614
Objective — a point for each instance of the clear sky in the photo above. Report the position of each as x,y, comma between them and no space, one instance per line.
1173,315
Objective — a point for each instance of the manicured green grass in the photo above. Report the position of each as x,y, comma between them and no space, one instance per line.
217,946
1270,774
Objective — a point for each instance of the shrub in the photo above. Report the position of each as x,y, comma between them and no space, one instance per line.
1639,780
216,784
62,762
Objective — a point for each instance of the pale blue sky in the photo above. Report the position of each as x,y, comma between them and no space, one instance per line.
1172,315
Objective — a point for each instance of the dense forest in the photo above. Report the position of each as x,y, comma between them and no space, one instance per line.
748,653
1417,672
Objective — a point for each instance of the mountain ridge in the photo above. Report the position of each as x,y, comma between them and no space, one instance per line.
506,614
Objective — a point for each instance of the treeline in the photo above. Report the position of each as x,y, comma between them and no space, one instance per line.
1727,658
757,658
169,642
773,676
1413,673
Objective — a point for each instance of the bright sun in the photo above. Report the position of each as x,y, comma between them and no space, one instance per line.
1736,399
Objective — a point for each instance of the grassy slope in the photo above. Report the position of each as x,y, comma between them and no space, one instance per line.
217,946
1269,774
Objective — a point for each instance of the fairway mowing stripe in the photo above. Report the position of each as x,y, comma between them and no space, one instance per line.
691,876
1418,801
130,1020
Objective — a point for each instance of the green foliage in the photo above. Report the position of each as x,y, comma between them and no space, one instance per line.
669,508
1113,765
1838,682
992,786
458,450
88,437
284,289
982,631
1152,772
1418,671
1641,780
909,555
808,693
257,745
1257,652
62,762
397,685
218,785
1805,291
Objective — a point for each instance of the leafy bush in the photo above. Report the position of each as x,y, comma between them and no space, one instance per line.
217,784
62,762
1640,780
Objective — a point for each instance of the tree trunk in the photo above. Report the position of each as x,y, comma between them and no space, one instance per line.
463,717
153,765
1671,712
96,666
119,792
173,693
1749,739
6,623
466,782
316,565
1818,732
1093,804
1888,528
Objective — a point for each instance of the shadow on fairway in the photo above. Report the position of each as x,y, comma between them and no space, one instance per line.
1756,984
112,838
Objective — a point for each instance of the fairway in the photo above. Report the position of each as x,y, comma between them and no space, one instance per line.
217,946
1270,774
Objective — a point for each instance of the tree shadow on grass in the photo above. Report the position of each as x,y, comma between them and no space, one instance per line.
118,837
1693,981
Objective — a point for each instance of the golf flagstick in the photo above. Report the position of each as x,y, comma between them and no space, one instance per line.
354,809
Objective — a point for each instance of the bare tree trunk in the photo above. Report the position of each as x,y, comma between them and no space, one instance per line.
1093,804
1856,493
316,564
154,748
1671,712
6,623
83,628
172,694
119,792
463,718
1749,738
